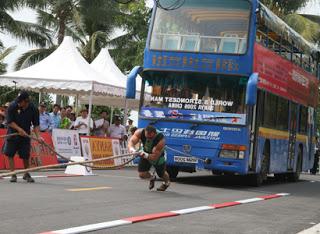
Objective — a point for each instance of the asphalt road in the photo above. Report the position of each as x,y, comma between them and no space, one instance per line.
53,204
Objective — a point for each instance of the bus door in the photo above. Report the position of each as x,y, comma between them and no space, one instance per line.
292,134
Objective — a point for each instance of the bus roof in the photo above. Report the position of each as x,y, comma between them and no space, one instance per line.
280,27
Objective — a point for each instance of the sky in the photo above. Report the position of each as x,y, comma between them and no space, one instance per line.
30,16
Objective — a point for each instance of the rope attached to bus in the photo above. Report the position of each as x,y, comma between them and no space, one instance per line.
70,162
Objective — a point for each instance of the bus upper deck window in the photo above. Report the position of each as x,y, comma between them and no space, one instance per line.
203,26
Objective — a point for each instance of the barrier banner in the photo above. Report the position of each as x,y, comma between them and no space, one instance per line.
100,147
66,142
40,155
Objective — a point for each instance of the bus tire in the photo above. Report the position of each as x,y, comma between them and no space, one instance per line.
172,171
280,177
258,178
294,176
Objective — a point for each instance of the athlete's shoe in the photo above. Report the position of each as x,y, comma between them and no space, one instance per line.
152,181
13,179
28,178
163,187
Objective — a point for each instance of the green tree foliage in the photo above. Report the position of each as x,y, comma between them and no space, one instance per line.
307,28
32,33
284,7
89,22
129,48
3,54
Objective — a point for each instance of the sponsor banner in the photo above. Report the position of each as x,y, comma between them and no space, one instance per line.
40,155
66,142
198,116
100,147
281,77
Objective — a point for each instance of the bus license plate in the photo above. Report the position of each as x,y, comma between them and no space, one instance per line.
180,159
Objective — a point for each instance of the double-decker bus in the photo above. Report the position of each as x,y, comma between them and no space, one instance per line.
234,89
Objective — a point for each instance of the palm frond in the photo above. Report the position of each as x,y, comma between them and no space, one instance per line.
6,52
33,33
32,57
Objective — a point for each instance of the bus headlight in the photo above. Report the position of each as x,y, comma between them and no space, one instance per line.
229,154
232,151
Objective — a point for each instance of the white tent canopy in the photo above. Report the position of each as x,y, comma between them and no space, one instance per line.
65,71
106,67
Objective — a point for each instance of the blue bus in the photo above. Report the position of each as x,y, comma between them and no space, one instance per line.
233,88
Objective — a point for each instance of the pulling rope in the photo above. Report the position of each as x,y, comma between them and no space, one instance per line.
70,162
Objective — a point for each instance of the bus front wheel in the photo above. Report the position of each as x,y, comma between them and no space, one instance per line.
258,179
172,171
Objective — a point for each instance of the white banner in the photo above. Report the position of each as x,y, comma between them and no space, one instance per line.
66,142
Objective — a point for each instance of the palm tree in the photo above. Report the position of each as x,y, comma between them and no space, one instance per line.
33,33
308,27
3,54
89,22
128,49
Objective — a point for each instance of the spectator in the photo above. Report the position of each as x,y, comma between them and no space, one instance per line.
69,110
73,119
117,130
65,122
45,120
83,124
2,121
133,130
101,125
129,126
55,116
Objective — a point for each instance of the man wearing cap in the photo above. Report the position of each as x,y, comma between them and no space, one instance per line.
21,115
45,120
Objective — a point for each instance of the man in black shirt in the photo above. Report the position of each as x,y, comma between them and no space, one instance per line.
21,115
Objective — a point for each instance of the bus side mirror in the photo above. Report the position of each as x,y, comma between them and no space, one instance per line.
252,90
131,82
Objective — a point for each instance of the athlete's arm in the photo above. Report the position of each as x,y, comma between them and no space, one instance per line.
157,150
134,140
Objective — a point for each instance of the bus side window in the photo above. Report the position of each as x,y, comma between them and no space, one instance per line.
260,105
270,105
282,114
303,123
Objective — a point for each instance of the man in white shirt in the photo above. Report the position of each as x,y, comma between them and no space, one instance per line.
117,130
82,123
101,125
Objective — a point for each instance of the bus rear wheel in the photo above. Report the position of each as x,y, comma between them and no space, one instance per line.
294,176
172,171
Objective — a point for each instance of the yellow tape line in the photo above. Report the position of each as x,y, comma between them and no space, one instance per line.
87,189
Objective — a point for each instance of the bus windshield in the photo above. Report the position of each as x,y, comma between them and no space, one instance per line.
219,26
197,92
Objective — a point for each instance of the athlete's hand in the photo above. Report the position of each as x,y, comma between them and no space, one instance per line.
22,133
132,150
144,155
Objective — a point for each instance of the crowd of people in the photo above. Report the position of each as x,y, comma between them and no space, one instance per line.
66,118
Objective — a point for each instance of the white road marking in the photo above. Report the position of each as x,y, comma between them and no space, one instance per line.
313,230
250,200
193,210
